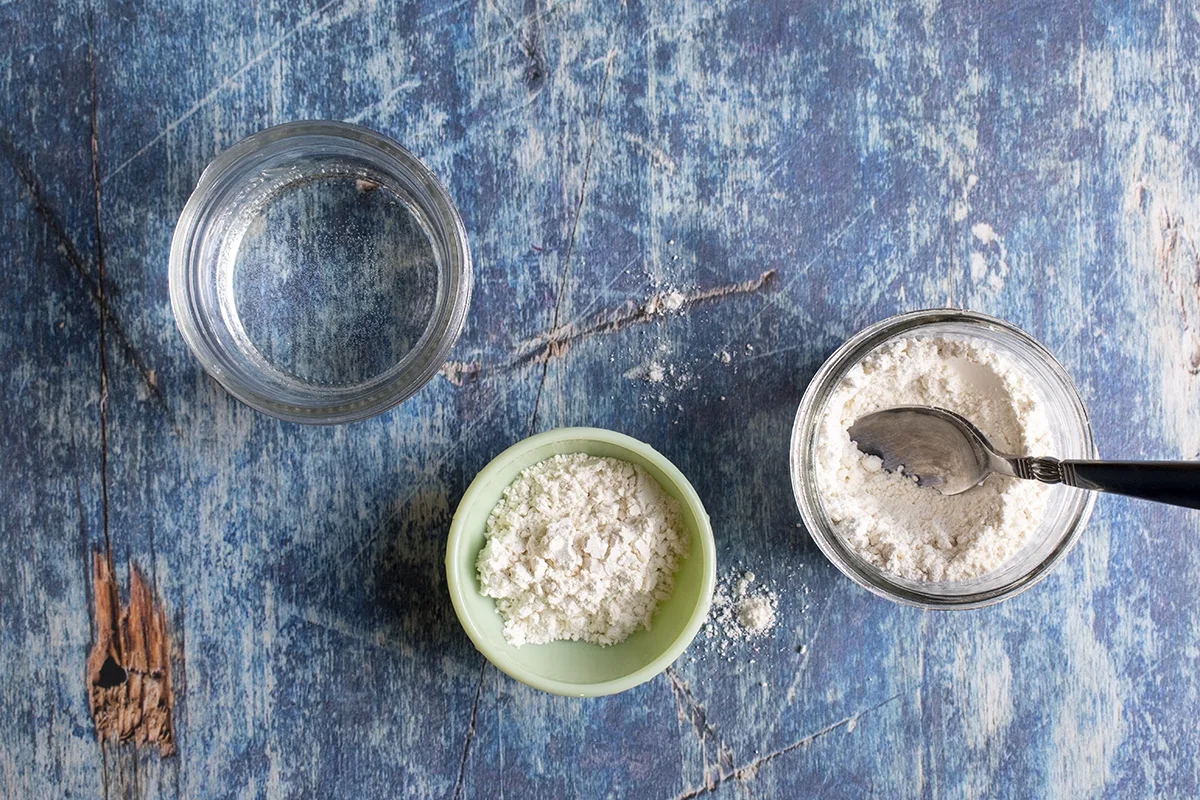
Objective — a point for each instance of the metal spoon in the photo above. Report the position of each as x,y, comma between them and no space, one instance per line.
942,450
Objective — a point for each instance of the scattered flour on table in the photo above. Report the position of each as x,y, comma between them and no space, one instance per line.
665,371
741,611
581,547
915,532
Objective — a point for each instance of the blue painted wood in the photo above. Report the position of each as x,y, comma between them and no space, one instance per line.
599,153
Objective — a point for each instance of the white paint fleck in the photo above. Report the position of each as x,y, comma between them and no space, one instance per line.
983,232
1087,718
978,267
962,206
986,234
982,667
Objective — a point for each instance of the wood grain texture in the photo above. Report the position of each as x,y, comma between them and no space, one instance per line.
600,153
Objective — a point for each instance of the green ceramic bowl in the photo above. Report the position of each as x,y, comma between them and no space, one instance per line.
580,669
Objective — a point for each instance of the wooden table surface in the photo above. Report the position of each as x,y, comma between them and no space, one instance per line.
285,594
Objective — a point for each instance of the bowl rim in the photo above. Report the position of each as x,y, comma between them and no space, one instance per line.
703,533
835,365
180,269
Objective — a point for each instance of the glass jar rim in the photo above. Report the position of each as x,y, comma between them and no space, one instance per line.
807,496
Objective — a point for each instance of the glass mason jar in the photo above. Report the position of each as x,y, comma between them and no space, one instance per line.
320,272
1067,509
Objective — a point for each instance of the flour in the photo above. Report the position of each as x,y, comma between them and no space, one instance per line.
583,548
666,302
740,611
915,532
664,370
756,615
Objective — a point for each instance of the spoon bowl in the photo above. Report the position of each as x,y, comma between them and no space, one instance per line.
935,447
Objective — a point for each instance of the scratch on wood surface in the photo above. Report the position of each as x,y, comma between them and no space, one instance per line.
566,270
466,747
657,155
432,472
129,666
383,103
828,245
1177,262
807,652
554,342
748,772
515,30
171,126
459,372
693,712
102,345
529,42
441,12
1173,231
66,247
557,340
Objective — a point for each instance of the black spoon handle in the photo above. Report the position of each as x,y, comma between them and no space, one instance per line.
1174,482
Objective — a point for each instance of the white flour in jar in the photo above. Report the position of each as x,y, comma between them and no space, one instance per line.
915,532
581,547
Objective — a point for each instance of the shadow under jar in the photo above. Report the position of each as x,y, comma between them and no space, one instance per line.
1067,510
320,272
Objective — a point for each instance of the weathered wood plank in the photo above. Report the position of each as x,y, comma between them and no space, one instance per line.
600,155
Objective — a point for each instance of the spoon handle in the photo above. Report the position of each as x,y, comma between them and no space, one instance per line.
1174,482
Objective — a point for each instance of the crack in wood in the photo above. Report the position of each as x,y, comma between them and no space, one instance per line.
554,342
129,666
78,264
1173,231
562,281
101,344
807,651
104,768
689,710
466,748
748,772
1177,257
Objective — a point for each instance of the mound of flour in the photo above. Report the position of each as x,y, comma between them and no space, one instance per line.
741,611
915,532
581,547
